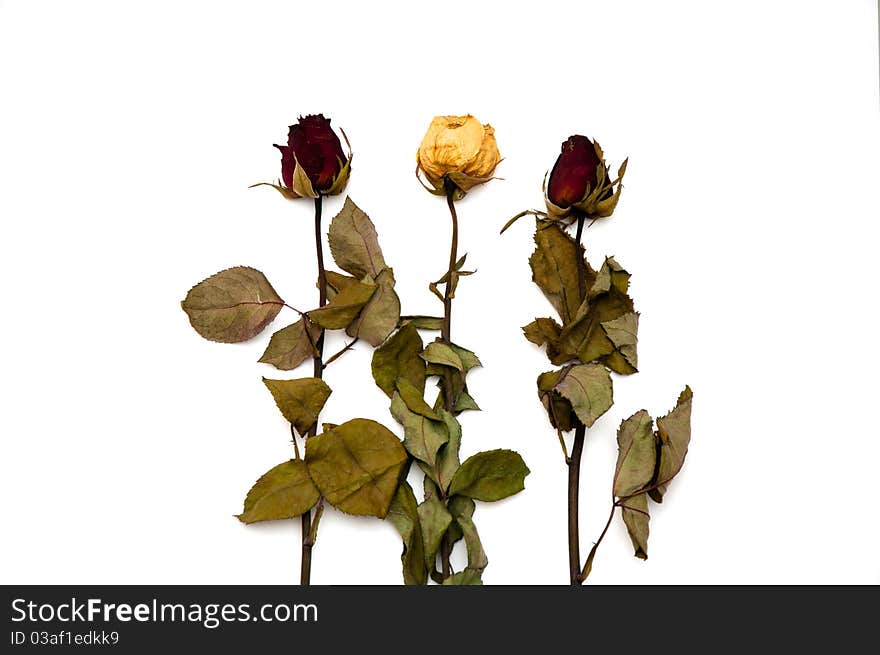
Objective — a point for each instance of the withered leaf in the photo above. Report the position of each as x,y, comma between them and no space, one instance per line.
462,510
398,358
589,390
468,359
543,332
447,457
354,243
467,577
434,519
490,475
403,514
424,322
623,333
414,399
357,466
291,346
559,410
636,517
283,492
380,315
465,402
555,269
232,305
344,307
336,282
440,353
611,274
422,436
674,432
636,454
300,401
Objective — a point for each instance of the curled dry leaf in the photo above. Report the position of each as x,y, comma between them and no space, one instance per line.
403,514
589,389
398,358
674,433
434,519
636,454
345,306
233,305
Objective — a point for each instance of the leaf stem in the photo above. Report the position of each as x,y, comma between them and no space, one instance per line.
308,539
574,460
446,337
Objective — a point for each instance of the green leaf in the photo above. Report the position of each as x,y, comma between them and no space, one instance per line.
403,514
636,518
434,519
380,315
466,577
636,454
282,492
398,358
300,401
354,243
344,307
588,388
357,466
413,399
490,475
422,436
443,354
232,305
554,269
291,346
674,432
462,510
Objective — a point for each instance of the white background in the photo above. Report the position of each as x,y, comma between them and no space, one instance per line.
129,133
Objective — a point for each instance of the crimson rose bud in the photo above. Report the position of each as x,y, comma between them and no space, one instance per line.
580,180
313,162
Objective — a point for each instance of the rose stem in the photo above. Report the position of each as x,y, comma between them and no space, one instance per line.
307,541
574,462
446,337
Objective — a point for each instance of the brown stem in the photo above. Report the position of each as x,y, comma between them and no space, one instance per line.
318,361
446,337
574,461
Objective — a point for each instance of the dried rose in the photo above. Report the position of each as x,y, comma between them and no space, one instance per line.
580,180
458,150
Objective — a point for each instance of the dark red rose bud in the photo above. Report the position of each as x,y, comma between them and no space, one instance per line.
576,167
312,162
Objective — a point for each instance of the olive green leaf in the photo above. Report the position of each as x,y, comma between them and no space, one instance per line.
490,475
422,436
623,333
291,346
554,269
357,466
588,388
447,462
468,359
380,315
466,577
636,454
559,410
636,518
344,307
398,358
403,514
283,492
674,432
336,282
232,305
465,402
611,274
442,354
300,401
414,400
354,243
434,519
424,322
462,510
544,332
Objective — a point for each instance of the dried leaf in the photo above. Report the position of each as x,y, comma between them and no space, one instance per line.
283,492
403,514
623,333
636,517
674,432
380,315
462,510
354,243
589,390
422,436
559,410
336,282
424,322
291,346
543,331
447,457
468,359
434,519
300,401
636,454
357,466
554,269
344,307
232,305
466,577
413,399
490,475
398,358
442,354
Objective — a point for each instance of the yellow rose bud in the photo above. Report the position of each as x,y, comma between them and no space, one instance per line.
458,150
